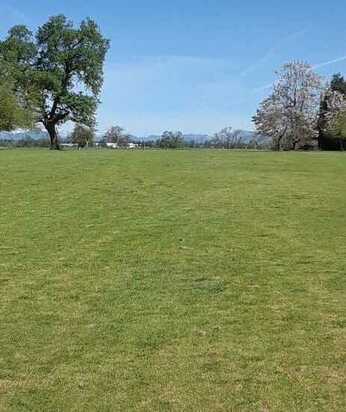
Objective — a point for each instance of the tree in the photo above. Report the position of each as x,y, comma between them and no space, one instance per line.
271,121
334,117
228,138
61,70
82,135
338,84
171,140
116,134
337,128
332,102
14,113
290,114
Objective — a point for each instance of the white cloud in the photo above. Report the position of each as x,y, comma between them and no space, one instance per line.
314,67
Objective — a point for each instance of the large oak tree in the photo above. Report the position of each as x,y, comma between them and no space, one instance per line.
60,69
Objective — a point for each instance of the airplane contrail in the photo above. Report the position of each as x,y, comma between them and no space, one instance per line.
314,67
272,51
339,59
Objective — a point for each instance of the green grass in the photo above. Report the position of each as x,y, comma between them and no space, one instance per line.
172,281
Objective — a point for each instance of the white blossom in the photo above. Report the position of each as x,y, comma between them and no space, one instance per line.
290,114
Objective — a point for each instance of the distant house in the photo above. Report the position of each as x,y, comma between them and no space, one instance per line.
132,145
69,145
112,145
129,145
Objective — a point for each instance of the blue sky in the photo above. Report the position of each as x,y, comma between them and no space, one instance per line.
196,65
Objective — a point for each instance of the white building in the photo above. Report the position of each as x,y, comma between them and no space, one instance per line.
112,145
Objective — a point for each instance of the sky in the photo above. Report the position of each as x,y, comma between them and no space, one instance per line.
195,65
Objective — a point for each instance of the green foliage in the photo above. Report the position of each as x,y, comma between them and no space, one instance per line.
51,66
171,140
331,138
12,114
338,84
337,129
15,112
19,48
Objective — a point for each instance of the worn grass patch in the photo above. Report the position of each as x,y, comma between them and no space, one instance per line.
172,281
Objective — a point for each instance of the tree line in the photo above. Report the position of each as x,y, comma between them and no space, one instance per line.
227,138
83,137
56,74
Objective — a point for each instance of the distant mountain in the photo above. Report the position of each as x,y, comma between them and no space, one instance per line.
253,137
247,136
150,138
197,138
23,134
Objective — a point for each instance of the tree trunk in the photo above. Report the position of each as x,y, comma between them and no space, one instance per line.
278,144
53,136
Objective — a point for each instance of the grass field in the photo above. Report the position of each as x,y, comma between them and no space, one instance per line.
172,281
